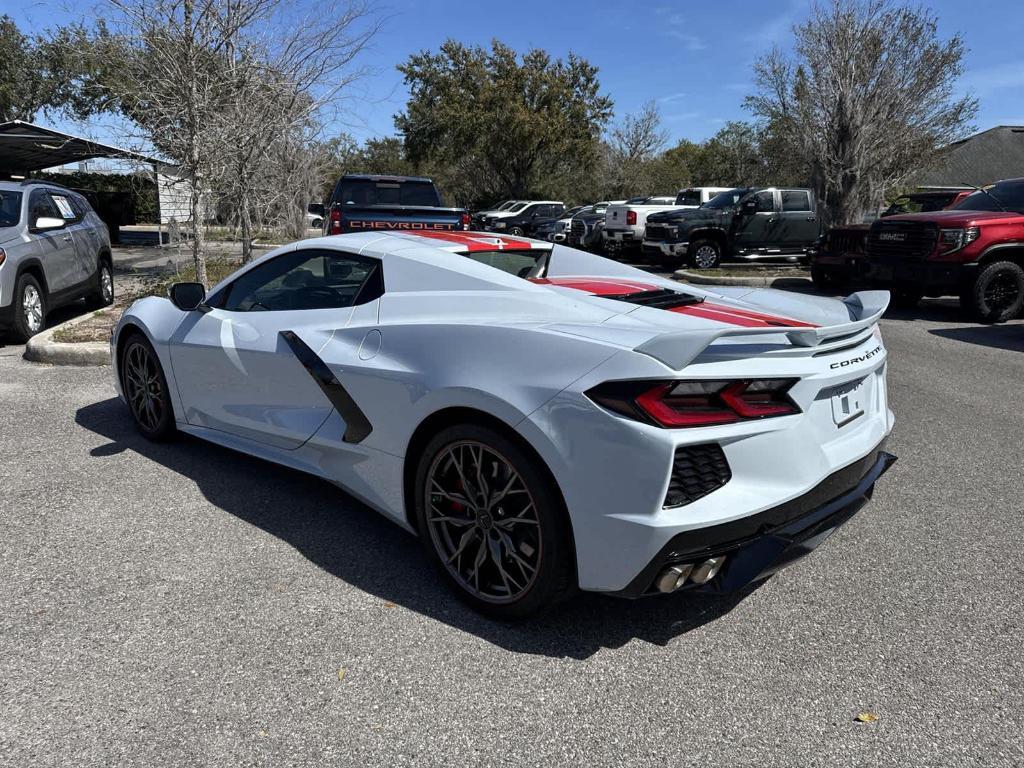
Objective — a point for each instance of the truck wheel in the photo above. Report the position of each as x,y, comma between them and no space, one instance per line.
704,254
516,231
823,279
997,294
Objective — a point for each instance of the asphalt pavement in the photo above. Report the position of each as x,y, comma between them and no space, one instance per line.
180,604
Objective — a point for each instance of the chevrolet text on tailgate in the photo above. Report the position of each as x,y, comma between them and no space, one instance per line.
362,203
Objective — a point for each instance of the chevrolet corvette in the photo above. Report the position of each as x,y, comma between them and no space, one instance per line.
544,419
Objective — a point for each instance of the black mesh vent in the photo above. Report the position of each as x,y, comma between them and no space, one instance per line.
698,470
900,240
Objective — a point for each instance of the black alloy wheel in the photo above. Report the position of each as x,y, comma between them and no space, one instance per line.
492,521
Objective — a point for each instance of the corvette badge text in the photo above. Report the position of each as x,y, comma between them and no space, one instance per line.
859,359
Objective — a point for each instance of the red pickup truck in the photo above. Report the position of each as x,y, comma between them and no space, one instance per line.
974,250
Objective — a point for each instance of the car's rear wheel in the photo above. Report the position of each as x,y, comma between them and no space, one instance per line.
704,254
516,231
997,294
29,308
493,521
145,389
103,293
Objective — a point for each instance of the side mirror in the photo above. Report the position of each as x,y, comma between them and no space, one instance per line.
44,223
187,296
749,207
316,209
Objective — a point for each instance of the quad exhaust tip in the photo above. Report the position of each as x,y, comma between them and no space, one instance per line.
676,576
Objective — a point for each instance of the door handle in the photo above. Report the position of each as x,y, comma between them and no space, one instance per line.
811,218
772,219
66,238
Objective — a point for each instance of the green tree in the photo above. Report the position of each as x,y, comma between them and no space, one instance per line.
498,124
24,87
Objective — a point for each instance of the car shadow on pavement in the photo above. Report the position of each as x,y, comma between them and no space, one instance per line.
1009,337
356,544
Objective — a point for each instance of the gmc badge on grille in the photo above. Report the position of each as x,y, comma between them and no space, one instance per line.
897,236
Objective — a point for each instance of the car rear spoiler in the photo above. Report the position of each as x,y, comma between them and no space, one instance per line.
680,348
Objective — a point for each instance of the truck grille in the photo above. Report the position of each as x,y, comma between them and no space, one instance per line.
697,471
901,240
846,241
660,232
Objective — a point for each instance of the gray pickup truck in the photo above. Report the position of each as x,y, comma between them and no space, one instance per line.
743,223
363,202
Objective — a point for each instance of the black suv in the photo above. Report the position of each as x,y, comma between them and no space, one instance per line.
744,223
524,221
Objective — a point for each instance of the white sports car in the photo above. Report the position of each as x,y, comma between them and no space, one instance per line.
544,418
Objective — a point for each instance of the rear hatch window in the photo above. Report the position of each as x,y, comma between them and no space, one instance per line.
383,192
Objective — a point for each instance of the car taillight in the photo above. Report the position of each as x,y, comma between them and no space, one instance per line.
336,221
697,403
630,218
465,221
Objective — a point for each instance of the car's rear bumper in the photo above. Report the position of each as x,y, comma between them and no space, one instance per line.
755,547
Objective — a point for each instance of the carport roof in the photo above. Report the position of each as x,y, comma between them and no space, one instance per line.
26,147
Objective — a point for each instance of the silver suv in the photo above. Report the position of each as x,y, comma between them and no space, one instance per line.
54,249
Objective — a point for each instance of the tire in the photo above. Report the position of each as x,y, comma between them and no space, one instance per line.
704,254
516,231
102,294
29,308
997,293
904,298
145,389
526,555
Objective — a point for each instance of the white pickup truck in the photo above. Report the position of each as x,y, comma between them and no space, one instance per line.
624,224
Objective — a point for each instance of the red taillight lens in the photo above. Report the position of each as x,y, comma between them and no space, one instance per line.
630,218
336,221
465,220
697,403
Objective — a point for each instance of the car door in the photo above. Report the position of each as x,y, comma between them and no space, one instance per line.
86,247
799,221
56,247
238,368
753,229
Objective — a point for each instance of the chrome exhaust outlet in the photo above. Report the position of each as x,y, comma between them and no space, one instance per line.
673,577
706,571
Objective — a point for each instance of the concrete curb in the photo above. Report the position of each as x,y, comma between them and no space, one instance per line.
709,278
41,348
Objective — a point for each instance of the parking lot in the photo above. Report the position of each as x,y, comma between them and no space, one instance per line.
181,604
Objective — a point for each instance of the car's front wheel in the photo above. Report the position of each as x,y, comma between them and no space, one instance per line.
997,295
516,231
29,308
704,254
145,389
492,519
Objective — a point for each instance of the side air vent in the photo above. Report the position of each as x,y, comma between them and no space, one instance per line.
697,471
663,298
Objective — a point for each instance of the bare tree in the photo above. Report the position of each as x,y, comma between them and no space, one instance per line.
633,144
866,98
215,84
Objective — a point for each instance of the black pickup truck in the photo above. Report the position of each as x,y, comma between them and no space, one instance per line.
743,223
363,202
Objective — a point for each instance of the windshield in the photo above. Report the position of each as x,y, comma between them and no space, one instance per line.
1008,194
688,197
10,208
918,204
516,207
370,192
726,199
505,206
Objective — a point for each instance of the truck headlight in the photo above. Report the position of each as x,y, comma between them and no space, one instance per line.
954,239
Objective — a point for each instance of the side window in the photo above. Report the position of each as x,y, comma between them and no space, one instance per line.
40,205
796,200
530,210
67,210
305,279
764,202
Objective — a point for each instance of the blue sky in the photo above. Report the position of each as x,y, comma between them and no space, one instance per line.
693,58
